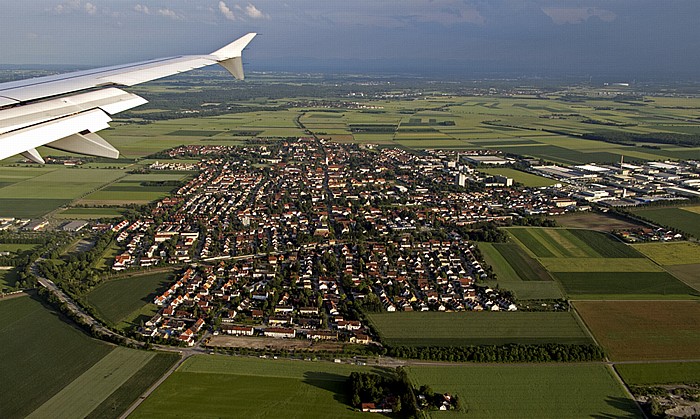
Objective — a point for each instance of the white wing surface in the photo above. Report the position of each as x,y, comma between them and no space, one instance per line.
64,111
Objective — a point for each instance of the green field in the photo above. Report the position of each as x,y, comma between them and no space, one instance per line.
511,280
673,253
612,285
40,347
477,328
679,218
660,373
571,243
218,386
35,192
529,391
527,268
134,387
599,265
101,379
644,330
117,299
527,179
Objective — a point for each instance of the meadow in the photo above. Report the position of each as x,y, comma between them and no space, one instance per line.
477,328
644,330
252,388
115,300
541,391
660,373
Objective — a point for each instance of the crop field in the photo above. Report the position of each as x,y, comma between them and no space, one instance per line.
660,373
42,349
477,328
533,391
101,379
684,220
252,388
594,221
527,268
674,253
690,274
571,243
623,285
644,330
599,265
527,179
44,190
117,299
134,387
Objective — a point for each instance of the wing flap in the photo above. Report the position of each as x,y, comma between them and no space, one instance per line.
110,100
24,139
89,144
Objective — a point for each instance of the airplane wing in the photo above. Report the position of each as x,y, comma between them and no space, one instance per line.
65,111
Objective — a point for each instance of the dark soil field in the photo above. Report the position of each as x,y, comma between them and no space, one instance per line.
644,330
595,221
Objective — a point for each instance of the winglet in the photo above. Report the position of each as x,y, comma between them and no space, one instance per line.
235,48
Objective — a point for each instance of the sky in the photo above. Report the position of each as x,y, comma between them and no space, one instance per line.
627,38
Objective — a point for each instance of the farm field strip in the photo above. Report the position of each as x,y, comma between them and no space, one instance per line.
485,328
101,379
640,330
660,373
527,268
60,353
599,265
252,388
609,285
542,391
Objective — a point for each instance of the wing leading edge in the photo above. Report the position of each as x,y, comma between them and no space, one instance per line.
55,112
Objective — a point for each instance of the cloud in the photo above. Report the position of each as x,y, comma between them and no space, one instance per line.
255,13
575,15
228,14
142,9
169,13
90,8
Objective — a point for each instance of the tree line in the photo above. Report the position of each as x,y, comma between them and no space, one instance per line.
549,352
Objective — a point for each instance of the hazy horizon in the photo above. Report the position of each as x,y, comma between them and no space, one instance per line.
624,39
